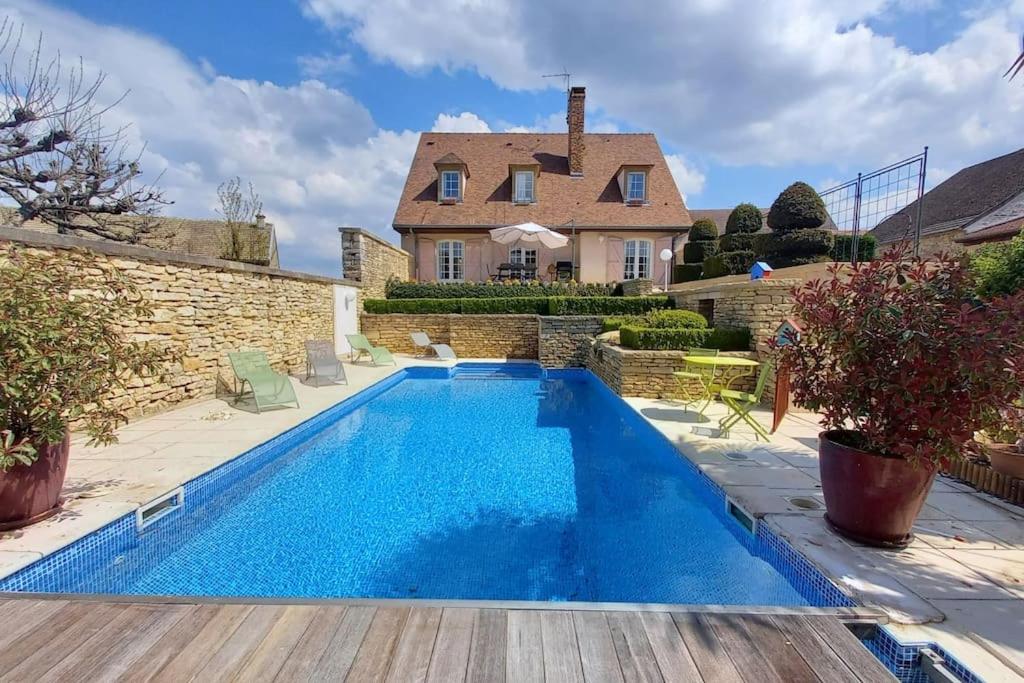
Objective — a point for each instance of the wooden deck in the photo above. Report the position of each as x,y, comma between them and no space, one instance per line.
80,640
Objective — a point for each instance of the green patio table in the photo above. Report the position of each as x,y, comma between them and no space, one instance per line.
731,367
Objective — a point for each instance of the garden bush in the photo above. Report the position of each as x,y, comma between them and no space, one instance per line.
816,242
737,241
673,319
606,305
687,272
696,252
723,339
399,289
999,268
798,207
614,322
842,248
538,305
703,230
728,263
745,218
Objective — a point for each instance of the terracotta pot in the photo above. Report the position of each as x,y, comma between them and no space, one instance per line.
1006,459
29,494
869,498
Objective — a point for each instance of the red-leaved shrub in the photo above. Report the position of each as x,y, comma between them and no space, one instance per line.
899,351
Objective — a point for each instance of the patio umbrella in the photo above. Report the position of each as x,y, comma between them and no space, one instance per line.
529,232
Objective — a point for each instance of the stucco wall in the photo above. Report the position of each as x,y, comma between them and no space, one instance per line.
202,308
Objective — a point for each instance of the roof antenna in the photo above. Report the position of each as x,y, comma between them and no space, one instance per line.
565,74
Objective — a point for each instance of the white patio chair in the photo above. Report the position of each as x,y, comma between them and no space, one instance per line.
422,342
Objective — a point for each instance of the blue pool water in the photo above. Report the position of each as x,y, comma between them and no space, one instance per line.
474,487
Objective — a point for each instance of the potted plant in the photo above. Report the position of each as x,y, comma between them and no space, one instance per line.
903,364
65,360
1003,441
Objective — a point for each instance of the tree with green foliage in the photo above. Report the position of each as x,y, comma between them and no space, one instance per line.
999,268
797,237
735,253
701,244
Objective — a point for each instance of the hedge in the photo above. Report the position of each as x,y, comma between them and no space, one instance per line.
737,241
606,305
867,247
745,218
556,305
790,261
807,243
696,252
398,289
614,322
728,263
703,230
672,319
723,339
687,272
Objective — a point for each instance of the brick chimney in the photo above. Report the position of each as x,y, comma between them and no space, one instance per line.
574,117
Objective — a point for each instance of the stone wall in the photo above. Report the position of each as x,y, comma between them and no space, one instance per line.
935,243
470,336
760,305
648,374
372,261
639,287
202,308
565,341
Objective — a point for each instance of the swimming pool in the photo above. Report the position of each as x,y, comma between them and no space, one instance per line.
482,482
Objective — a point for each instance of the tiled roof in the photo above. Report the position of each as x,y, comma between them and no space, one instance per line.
185,235
994,233
593,200
958,200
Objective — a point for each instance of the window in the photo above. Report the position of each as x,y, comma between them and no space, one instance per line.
527,257
524,187
450,182
637,259
450,267
636,186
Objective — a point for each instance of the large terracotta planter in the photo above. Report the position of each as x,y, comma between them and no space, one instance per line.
29,494
1005,459
869,498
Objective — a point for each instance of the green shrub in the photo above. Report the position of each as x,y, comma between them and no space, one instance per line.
398,289
798,243
724,339
999,268
729,263
696,252
687,272
606,305
703,230
673,319
737,241
413,305
798,207
537,305
616,321
745,218
842,249
791,261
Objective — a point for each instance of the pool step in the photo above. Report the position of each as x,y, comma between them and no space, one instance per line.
498,371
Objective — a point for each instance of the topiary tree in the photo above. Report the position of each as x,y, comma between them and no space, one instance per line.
745,218
797,237
702,244
735,248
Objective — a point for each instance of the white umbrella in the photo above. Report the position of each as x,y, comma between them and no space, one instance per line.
529,232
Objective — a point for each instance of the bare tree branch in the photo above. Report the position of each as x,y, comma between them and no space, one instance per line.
245,238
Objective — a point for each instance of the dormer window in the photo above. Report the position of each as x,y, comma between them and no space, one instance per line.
451,185
636,186
524,187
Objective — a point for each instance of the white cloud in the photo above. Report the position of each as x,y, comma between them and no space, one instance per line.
689,180
321,66
466,122
776,82
313,152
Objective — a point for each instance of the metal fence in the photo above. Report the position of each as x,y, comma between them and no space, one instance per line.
860,204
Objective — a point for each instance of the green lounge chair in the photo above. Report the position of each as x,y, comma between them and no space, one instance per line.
268,388
740,403
687,378
360,345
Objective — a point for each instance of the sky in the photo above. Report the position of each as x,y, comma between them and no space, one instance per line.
319,103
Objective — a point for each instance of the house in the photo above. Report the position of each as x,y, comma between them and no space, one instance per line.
612,194
980,203
256,243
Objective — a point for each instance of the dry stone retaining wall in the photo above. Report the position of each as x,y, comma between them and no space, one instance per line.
202,308
760,305
372,261
565,341
470,336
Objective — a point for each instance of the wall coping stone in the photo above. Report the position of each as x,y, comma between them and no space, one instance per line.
754,285
32,238
667,354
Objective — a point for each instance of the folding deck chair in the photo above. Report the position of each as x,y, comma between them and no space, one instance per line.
702,377
323,363
740,403
422,342
360,345
268,388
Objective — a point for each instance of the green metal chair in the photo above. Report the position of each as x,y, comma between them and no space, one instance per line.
686,379
360,345
268,388
740,403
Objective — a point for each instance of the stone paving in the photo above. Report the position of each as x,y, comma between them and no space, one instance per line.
960,582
